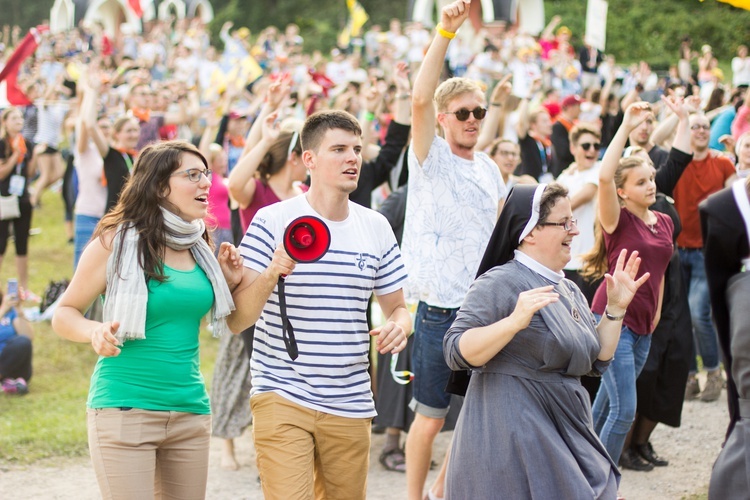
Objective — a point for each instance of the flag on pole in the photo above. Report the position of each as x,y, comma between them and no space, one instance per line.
9,73
357,18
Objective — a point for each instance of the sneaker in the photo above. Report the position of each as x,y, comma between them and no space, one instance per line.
15,386
692,389
646,452
631,460
714,383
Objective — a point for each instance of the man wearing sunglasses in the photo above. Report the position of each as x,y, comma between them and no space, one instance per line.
571,109
454,198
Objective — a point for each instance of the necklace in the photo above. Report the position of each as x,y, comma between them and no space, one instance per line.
564,292
652,228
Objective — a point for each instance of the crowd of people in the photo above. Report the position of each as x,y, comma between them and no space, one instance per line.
539,261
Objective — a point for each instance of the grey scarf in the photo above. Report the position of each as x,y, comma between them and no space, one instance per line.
127,293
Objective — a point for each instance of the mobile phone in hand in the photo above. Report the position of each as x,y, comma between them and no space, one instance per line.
13,287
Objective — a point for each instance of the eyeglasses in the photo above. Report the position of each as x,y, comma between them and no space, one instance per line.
587,145
507,154
463,114
705,126
566,224
194,174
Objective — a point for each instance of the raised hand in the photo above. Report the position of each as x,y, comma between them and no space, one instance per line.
677,105
271,128
636,114
621,284
454,14
401,77
530,301
278,91
502,90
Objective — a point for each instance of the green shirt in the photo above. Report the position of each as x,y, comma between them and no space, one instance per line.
162,371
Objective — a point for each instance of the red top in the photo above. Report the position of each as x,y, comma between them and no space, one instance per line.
700,179
655,251
263,197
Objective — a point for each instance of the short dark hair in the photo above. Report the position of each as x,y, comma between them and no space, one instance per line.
551,195
321,122
582,128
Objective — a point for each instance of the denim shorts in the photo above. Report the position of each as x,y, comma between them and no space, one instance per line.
431,372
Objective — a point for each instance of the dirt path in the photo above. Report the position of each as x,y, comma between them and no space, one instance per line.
691,450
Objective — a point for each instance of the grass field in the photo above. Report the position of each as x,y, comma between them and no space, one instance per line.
50,421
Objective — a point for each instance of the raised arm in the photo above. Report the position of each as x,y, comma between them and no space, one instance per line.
609,204
277,92
490,127
242,177
423,115
88,114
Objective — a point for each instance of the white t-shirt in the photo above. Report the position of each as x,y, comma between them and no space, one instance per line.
451,210
586,213
740,71
92,195
326,305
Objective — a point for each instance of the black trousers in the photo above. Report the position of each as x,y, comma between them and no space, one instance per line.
15,358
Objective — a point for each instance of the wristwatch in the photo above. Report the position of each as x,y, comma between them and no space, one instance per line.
614,318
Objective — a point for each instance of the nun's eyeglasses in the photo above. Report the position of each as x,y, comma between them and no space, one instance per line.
566,224
463,114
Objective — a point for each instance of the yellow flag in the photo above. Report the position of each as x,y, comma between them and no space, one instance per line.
357,18
742,4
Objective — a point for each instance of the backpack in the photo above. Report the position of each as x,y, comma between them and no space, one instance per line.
53,292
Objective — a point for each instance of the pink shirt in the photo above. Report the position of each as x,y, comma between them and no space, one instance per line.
656,251
218,203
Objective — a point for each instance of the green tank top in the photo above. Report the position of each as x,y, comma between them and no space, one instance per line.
162,371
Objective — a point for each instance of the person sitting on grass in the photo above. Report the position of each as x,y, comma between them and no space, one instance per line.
15,346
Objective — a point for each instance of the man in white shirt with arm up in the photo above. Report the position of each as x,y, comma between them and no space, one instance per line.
454,198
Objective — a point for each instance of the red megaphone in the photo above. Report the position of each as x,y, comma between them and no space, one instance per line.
307,239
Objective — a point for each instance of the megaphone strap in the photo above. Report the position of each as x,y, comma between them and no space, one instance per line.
287,332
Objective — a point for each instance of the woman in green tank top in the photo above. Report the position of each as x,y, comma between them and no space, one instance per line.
148,411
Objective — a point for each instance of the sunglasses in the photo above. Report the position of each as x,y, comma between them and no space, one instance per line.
463,114
587,145
194,174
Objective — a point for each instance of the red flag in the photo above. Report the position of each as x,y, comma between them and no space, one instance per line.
136,6
10,72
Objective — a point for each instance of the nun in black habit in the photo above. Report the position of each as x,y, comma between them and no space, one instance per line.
527,335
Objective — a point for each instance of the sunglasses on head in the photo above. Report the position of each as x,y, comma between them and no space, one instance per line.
587,145
463,114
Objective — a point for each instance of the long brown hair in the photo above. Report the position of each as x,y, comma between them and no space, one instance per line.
595,262
278,153
138,206
4,130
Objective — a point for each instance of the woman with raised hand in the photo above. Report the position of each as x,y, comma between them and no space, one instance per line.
627,189
527,334
148,412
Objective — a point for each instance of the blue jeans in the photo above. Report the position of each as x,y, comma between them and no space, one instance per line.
615,403
84,229
704,334
431,372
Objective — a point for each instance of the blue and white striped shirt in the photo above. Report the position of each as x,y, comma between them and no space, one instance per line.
326,305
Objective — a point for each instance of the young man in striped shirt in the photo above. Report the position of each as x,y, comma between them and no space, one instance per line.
312,414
